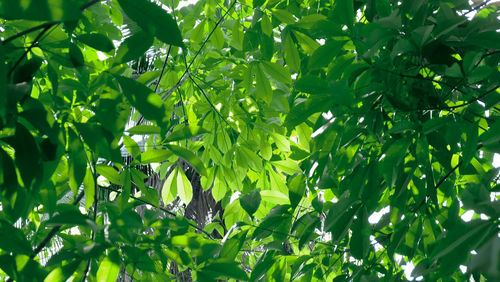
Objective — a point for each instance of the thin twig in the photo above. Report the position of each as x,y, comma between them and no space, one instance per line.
198,52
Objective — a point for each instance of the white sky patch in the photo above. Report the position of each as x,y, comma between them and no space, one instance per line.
102,56
408,268
375,217
467,216
496,160
235,196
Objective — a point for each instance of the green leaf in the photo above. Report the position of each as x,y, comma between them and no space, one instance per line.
250,202
277,71
219,189
144,129
134,47
344,12
266,25
281,141
340,218
360,239
297,189
228,269
291,54
190,157
184,188
143,99
108,271
185,132
13,239
288,166
232,247
155,156
25,71
97,41
76,56
70,215
169,190
89,188
275,197
132,146
40,10
110,173
264,90
77,161
153,19
324,55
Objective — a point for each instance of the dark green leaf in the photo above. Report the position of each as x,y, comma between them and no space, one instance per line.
228,269
134,46
250,202
27,70
153,19
97,41
143,99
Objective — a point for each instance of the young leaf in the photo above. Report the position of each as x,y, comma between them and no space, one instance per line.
184,187
144,129
169,190
275,197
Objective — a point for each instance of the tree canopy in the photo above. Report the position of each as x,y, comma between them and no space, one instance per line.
260,140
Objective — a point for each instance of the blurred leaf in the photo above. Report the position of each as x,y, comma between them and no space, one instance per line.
40,10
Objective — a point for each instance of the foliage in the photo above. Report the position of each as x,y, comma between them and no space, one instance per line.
272,132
